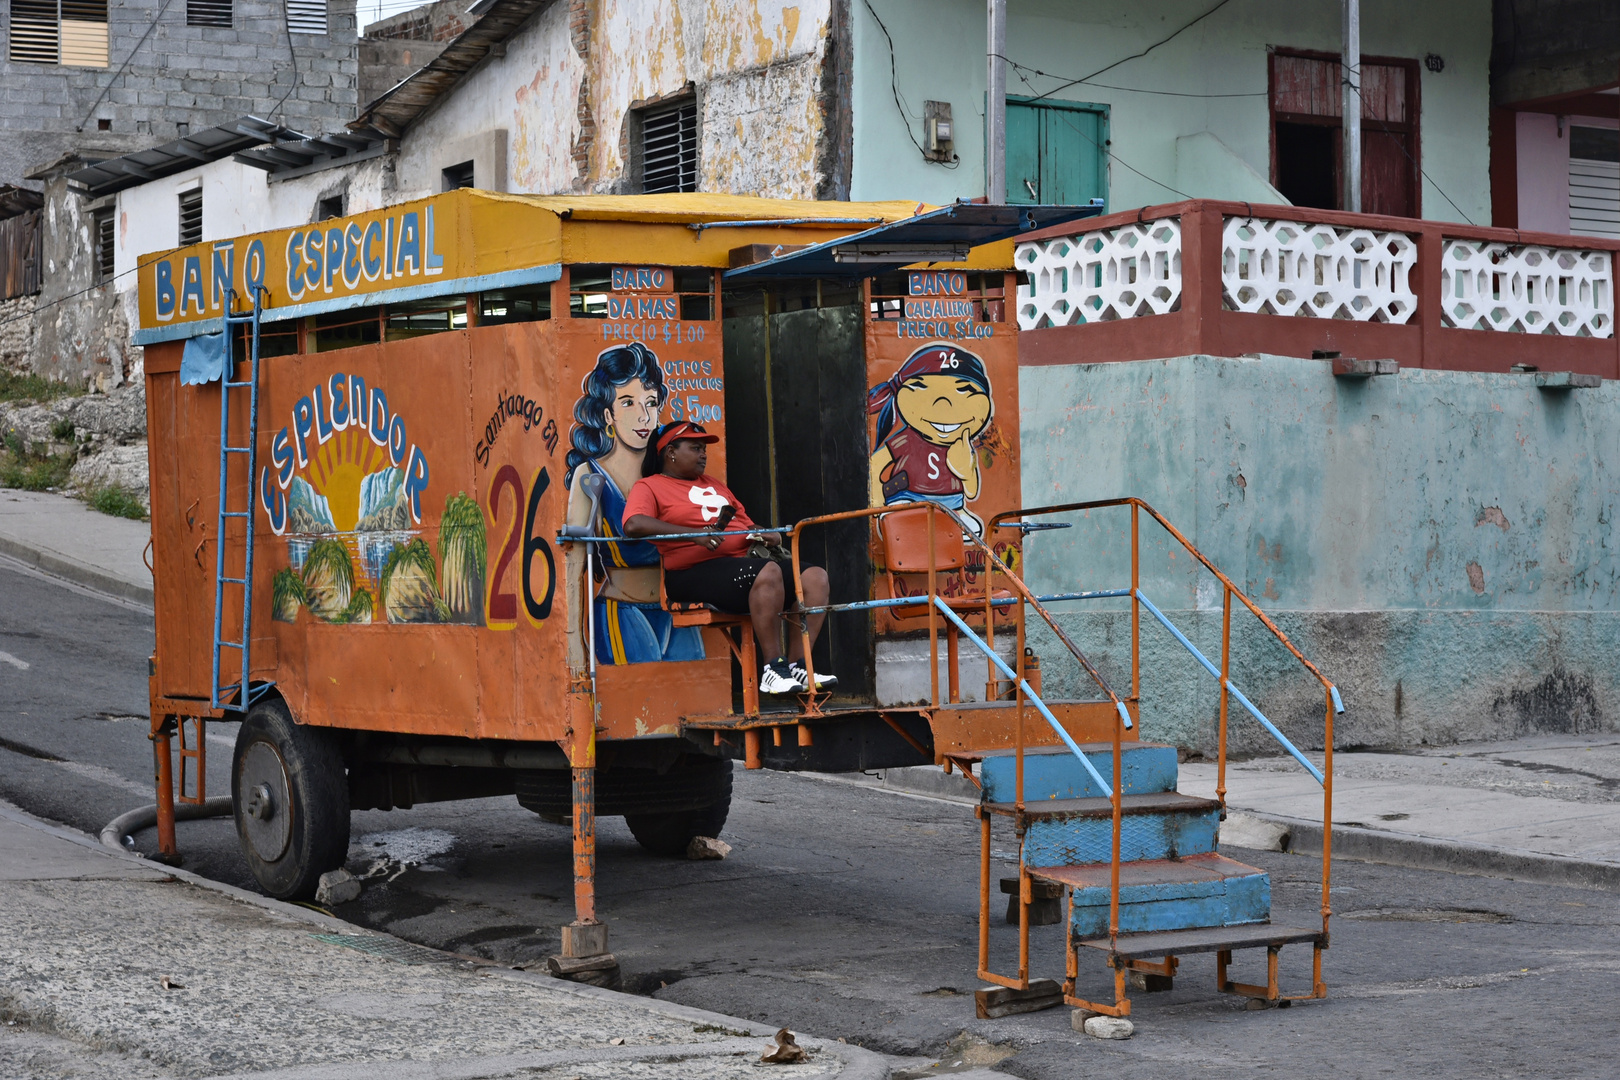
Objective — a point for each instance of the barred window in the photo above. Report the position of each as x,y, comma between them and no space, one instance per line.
306,16
208,12
72,33
191,229
669,148
104,246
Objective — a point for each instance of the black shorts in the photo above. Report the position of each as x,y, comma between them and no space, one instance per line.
725,583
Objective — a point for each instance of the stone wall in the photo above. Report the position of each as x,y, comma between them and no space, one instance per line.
16,333
1439,543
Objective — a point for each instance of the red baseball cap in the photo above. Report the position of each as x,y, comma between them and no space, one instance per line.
684,430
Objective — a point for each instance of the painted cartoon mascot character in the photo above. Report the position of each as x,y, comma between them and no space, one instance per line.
931,415
613,419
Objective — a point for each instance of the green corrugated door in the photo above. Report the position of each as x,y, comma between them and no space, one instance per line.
1056,151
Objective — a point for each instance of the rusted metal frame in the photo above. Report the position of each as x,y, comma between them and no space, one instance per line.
992,559
904,734
1019,705
1100,504
197,754
933,620
584,808
1136,615
163,779
984,895
953,681
1272,991
1327,835
963,767
1226,670
1052,721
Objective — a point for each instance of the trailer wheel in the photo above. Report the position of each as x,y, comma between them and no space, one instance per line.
291,801
669,834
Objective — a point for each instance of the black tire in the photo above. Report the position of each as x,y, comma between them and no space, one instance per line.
669,834
291,801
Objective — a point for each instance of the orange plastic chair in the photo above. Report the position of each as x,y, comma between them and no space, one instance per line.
904,534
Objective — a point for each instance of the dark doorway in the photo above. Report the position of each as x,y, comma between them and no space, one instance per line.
1307,164
795,371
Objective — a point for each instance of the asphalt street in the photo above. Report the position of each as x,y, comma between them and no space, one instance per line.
850,912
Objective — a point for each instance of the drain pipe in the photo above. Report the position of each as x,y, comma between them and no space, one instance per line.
144,817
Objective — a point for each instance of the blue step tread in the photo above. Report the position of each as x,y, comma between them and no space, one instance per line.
1054,773
1159,895
1204,940
1157,825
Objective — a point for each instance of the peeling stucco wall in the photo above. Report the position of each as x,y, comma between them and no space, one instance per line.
81,333
763,74
1439,542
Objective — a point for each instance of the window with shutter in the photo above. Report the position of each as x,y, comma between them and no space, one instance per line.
191,217
1594,181
208,12
72,33
669,149
104,246
306,16
1307,142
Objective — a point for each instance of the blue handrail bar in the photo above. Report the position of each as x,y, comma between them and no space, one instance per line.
1235,692
1034,698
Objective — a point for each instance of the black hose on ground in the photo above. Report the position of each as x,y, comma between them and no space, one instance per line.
144,817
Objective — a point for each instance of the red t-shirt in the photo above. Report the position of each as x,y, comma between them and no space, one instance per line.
695,504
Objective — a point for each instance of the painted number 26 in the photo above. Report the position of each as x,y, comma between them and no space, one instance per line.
521,543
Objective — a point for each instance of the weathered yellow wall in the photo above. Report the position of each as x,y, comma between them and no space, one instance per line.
569,81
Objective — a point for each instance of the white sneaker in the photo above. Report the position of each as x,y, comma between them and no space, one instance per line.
777,678
797,670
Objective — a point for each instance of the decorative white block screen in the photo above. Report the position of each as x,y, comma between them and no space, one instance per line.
1317,271
1121,273
1527,290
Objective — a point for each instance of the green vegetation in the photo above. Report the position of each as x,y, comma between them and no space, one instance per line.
463,553
32,469
117,500
15,386
328,580
287,595
62,430
359,609
409,587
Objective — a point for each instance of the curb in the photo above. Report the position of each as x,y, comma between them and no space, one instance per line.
56,565
1452,856
858,1063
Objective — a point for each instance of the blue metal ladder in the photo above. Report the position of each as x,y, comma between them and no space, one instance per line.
237,696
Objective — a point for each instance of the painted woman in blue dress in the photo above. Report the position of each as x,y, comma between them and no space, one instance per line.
613,419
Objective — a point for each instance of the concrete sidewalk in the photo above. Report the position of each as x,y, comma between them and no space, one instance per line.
65,538
112,968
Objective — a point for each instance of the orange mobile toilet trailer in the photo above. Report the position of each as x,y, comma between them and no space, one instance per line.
373,500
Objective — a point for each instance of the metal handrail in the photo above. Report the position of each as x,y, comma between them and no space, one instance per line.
1334,702
934,602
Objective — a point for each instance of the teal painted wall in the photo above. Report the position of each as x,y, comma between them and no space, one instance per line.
1439,543
939,55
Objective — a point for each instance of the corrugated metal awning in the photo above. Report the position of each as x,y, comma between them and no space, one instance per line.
198,148
945,235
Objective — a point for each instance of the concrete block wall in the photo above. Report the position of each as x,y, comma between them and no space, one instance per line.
1440,543
177,75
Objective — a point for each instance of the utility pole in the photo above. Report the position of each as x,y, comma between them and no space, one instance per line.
1350,181
995,104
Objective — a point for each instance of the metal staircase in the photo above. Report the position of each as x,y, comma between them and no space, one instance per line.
1146,881
236,696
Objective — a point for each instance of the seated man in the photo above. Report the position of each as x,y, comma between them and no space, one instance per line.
676,495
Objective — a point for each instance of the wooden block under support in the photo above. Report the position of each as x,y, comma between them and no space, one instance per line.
1046,902
995,1001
